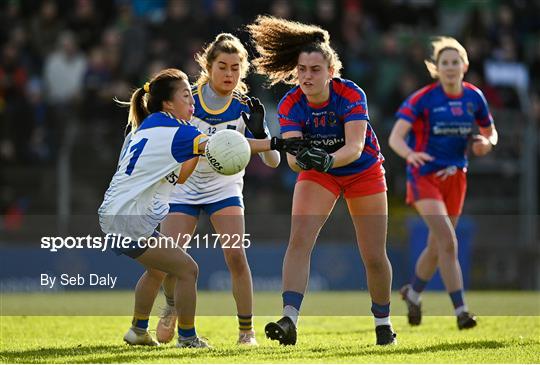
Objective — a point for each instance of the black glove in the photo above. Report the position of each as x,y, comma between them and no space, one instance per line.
315,158
303,160
290,145
255,122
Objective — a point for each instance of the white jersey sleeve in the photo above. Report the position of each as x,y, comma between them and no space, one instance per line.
137,198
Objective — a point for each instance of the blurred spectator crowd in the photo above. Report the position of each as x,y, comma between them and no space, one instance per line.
63,61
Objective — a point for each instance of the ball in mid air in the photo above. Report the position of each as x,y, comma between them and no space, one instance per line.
228,152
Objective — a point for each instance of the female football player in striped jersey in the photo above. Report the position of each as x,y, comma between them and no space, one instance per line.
221,103
432,131
333,113
161,147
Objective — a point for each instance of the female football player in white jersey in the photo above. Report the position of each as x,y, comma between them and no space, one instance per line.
221,103
160,147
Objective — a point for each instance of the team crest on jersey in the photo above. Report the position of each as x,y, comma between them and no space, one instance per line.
457,111
470,108
332,119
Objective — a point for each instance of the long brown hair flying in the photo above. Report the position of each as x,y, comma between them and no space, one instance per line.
279,42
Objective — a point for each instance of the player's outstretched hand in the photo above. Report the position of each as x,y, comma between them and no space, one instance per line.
314,158
255,121
417,159
289,145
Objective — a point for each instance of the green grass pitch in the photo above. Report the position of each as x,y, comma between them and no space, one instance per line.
501,337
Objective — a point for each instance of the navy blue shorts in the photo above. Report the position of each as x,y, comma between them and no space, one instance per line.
133,250
210,208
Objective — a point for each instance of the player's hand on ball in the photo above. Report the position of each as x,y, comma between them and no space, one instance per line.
481,145
315,158
255,121
290,145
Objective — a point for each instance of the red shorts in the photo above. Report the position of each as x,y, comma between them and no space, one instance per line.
368,182
451,191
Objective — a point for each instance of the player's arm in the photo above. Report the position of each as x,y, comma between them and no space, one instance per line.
483,143
200,142
188,143
186,169
355,137
275,144
397,143
291,159
264,148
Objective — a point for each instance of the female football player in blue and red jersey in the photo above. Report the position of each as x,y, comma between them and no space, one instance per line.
346,158
432,132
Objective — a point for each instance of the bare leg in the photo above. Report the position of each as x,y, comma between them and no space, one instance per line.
146,291
442,230
229,222
312,204
370,218
177,226
179,264
426,265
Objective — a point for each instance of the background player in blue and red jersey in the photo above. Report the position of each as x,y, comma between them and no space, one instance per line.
432,132
333,113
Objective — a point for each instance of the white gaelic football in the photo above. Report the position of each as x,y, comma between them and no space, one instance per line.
228,152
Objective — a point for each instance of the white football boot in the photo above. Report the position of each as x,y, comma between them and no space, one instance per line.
139,339
247,339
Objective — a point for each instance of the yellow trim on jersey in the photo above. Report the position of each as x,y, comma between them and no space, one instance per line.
206,108
196,142
180,121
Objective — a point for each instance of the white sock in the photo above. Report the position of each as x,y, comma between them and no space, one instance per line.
138,330
413,296
292,313
461,309
384,321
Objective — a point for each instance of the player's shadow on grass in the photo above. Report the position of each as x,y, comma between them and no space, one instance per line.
99,353
482,345
126,354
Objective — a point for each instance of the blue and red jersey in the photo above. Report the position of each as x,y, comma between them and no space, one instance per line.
325,123
442,124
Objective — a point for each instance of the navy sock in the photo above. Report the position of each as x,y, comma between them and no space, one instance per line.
418,285
380,311
457,298
293,299
186,330
140,322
